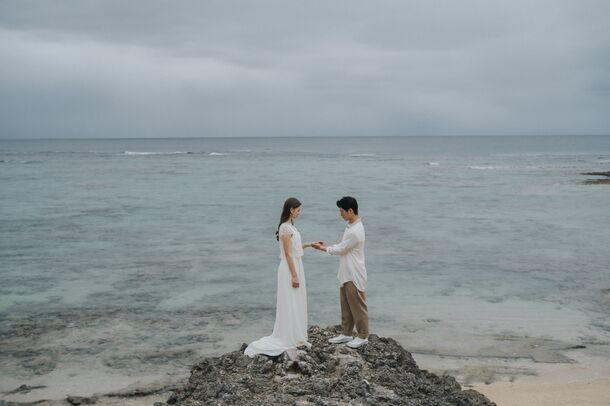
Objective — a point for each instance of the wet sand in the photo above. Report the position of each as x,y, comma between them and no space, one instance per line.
509,370
594,393
84,391
520,382
516,382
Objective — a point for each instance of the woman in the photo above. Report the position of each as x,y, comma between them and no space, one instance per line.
290,329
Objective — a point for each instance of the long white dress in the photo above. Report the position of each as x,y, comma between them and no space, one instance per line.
290,329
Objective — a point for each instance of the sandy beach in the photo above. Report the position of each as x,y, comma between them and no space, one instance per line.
522,382
584,383
594,393
581,380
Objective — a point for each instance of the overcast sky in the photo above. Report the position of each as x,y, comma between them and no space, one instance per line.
150,68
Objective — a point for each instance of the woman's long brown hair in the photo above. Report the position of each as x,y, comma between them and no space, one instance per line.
290,203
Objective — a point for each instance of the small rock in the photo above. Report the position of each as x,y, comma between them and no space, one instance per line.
25,389
79,400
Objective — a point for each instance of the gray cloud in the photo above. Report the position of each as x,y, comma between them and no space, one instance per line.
287,68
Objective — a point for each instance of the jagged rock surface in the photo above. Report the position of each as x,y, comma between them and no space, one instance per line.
605,181
380,373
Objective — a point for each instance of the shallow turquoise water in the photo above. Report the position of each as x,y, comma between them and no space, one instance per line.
132,254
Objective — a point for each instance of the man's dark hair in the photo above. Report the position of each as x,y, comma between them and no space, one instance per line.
348,202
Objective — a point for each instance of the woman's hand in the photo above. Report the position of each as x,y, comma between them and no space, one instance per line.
295,281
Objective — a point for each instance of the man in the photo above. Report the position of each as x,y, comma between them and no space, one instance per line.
352,276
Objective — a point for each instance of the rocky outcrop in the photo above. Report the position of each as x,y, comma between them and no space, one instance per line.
380,373
602,181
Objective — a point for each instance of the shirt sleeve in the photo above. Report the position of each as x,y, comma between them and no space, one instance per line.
346,245
285,230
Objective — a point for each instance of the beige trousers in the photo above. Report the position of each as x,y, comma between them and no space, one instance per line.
353,310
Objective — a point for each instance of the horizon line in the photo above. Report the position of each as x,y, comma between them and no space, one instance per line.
306,136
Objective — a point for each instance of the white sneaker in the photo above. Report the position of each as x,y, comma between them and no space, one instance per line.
340,339
357,342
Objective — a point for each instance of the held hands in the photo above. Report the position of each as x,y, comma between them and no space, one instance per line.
319,245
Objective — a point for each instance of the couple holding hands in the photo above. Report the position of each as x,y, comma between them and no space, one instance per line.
290,329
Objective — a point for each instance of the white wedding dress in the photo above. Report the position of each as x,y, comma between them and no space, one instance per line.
290,329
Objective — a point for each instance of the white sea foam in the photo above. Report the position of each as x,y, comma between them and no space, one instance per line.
154,153
362,155
218,153
483,167
433,163
137,153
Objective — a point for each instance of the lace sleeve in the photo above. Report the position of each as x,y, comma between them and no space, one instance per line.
285,230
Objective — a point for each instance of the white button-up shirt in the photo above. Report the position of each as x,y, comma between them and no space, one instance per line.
351,251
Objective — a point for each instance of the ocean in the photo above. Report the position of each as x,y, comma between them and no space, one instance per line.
127,260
